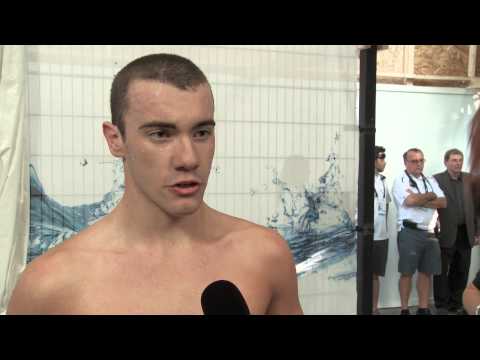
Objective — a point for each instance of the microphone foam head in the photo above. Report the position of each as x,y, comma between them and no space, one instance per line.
223,298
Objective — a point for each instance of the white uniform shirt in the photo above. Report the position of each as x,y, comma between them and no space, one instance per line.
425,218
382,198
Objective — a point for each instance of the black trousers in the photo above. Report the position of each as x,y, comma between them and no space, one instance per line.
448,287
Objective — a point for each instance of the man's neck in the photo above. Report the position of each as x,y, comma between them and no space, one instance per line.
415,176
454,175
147,226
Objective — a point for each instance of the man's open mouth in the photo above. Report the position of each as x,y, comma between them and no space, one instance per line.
186,188
186,184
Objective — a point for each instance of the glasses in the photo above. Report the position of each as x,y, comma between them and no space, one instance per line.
381,156
420,161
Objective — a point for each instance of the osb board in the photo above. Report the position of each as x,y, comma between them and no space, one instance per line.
391,80
391,60
445,60
477,65
442,83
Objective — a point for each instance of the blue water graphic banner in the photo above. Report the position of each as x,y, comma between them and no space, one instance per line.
318,229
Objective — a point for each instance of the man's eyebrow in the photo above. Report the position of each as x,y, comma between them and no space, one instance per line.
167,125
205,123
157,124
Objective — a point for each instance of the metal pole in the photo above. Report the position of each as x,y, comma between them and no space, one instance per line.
366,175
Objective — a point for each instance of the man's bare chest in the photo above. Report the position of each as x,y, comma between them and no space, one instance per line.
163,288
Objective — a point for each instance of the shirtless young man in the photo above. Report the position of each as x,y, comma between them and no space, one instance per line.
162,245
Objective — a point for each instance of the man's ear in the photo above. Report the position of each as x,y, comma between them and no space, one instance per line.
114,139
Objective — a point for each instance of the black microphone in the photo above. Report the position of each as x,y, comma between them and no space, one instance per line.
223,298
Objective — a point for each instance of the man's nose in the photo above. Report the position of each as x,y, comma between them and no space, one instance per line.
185,157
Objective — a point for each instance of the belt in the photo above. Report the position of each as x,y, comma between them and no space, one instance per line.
412,225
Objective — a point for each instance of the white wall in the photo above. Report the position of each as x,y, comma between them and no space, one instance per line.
434,120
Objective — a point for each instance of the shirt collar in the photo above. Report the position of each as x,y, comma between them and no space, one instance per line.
460,177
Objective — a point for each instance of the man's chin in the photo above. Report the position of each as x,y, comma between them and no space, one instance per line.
184,209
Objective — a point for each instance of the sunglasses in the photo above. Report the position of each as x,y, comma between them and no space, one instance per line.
381,156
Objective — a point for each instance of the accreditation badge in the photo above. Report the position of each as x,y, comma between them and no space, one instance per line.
382,208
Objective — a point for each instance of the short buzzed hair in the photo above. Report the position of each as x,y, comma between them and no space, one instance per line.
452,152
165,68
405,154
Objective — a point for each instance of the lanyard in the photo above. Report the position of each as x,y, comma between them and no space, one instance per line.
414,184
382,179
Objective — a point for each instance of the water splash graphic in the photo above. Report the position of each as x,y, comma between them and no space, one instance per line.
318,229
51,222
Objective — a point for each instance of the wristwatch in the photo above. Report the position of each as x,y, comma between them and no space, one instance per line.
477,310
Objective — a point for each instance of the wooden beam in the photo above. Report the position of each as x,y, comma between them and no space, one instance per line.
472,60
409,60
426,77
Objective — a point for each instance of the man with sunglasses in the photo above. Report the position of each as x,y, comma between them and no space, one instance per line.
417,198
380,233
457,229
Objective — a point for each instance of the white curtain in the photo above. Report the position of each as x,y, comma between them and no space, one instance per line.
14,180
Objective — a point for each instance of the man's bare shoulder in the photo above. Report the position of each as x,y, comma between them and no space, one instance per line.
258,238
46,277
54,275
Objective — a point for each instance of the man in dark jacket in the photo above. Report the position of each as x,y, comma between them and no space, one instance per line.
457,234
